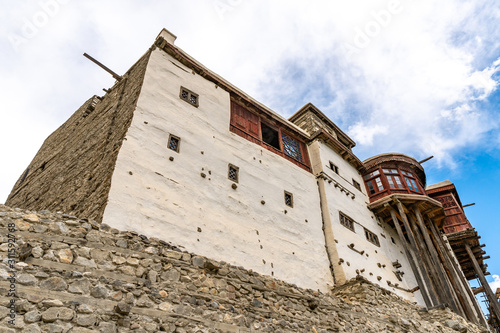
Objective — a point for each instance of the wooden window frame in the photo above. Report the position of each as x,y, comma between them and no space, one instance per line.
371,178
170,137
346,221
412,178
189,95
275,128
372,237
356,185
389,174
333,167
248,124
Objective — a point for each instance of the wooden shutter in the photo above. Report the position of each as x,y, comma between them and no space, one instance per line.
245,120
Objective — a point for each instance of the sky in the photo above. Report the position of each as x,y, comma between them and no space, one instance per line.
415,77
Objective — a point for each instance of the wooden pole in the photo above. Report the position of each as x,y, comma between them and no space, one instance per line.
455,276
430,266
423,290
495,306
418,255
115,76
434,257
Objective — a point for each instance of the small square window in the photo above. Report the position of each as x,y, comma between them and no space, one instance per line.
356,185
189,96
288,199
233,173
334,168
174,143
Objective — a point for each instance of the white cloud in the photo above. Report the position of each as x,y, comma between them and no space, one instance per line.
364,134
420,75
415,86
495,284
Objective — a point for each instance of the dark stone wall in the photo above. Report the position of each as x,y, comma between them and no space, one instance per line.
72,170
77,275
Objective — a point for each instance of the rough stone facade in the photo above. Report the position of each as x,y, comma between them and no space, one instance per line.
72,168
81,276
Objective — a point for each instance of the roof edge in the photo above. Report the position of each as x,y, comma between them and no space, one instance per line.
311,107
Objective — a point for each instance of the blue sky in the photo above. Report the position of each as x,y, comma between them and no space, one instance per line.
416,77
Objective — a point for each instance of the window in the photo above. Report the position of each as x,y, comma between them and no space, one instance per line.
189,96
247,122
371,174
372,238
270,136
410,180
407,173
288,199
291,147
174,143
374,182
412,185
233,173
334,167
393,178
356,185
346,221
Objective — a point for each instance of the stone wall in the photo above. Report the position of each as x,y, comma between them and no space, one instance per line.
72,170
80,276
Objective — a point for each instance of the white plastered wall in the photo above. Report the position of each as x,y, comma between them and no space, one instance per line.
170,200
367,263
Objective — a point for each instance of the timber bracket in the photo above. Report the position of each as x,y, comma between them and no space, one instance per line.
390,284
351,246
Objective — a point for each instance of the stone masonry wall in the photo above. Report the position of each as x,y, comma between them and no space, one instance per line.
72,170
81,276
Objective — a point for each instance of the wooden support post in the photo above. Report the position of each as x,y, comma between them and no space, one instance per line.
494,305
418,255
456,276
439,268
409,255
430,267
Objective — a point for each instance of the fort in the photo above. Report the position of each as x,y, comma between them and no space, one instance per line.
176,202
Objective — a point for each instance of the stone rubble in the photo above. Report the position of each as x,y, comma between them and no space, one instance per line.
86,277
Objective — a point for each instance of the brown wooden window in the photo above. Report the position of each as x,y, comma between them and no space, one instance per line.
174,143
233,173
189,96
334,168
372,238
346,221
356,185
411,182
393,178
288,199
269,134
374,182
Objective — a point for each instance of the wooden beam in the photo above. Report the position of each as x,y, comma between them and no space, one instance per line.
419,259
429,266
454,272
420,283
494,305
449,290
